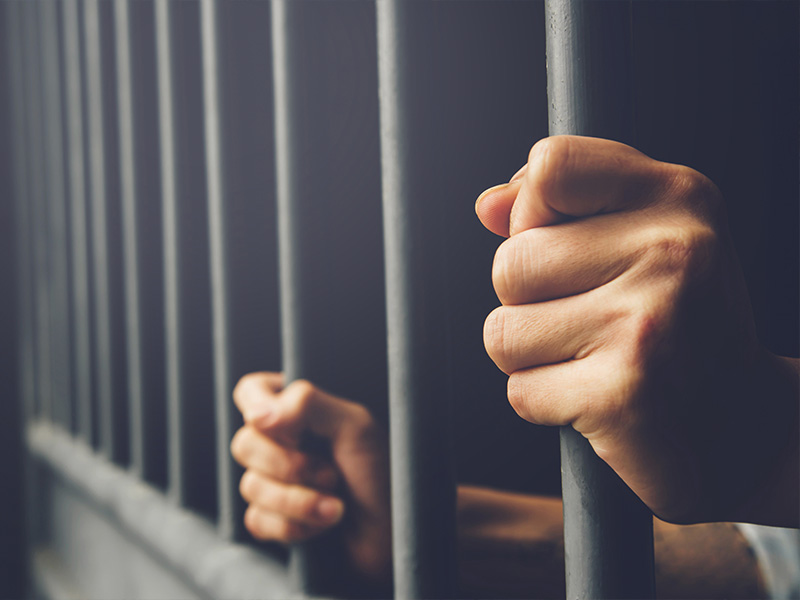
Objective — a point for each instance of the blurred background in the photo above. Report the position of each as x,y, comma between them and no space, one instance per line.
108,172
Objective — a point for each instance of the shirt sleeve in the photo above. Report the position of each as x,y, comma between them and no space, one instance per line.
777,550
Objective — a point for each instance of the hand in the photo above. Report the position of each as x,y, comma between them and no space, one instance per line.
294,495
626,316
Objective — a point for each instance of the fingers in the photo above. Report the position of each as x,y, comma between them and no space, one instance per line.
285,414
269,526
258,452
571,176
295,502
519,337
254,394
589,394
565,259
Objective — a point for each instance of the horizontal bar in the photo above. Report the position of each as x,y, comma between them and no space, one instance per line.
185,542
608,531
423,478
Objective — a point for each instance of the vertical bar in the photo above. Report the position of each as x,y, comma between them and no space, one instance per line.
96,146
608,532
16,367
80,256
57,199
186,305
423,480
329,228
136,410
229,525
37,206
22,199
175,468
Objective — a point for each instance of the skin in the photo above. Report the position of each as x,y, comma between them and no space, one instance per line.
509,545
625,315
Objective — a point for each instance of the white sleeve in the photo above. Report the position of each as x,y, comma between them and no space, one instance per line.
778,553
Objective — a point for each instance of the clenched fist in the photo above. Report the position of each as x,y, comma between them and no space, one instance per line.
624,314
295,494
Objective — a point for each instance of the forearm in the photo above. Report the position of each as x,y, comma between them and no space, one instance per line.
511,545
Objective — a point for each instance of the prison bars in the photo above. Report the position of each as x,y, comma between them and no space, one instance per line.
608,531
414,579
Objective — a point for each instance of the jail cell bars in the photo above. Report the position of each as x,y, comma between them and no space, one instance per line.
206,189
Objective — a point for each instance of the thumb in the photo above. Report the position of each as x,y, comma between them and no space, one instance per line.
302,408
493,206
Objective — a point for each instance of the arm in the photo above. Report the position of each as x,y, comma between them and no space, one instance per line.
511,546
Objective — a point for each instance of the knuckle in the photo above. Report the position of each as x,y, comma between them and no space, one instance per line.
240,445
494,335
252,523
547,161
698,192
518,396
518,264
303,393
247,485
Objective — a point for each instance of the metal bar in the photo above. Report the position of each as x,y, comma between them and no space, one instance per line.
326,158
187,310
97,160
229,525
308,561
608,533
56,201
175,400
80,256
128,191
22,195
423,480
37,183
141,219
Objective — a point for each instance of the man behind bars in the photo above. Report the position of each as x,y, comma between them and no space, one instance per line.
624,314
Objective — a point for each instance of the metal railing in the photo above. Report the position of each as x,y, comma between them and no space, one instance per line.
151,248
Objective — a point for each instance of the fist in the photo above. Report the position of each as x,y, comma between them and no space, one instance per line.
294,493
624,314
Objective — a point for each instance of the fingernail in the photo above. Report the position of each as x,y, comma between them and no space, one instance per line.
330,509
519,174
487,192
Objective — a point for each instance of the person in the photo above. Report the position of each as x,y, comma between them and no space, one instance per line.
624,315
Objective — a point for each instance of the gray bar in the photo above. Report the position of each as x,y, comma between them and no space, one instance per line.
99,235
78,210
423,480
608,533
229,525
128,192
56,202
37,206
186,305
175,468
329,228
22,205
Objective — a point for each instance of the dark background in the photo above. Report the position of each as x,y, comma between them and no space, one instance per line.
716,89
